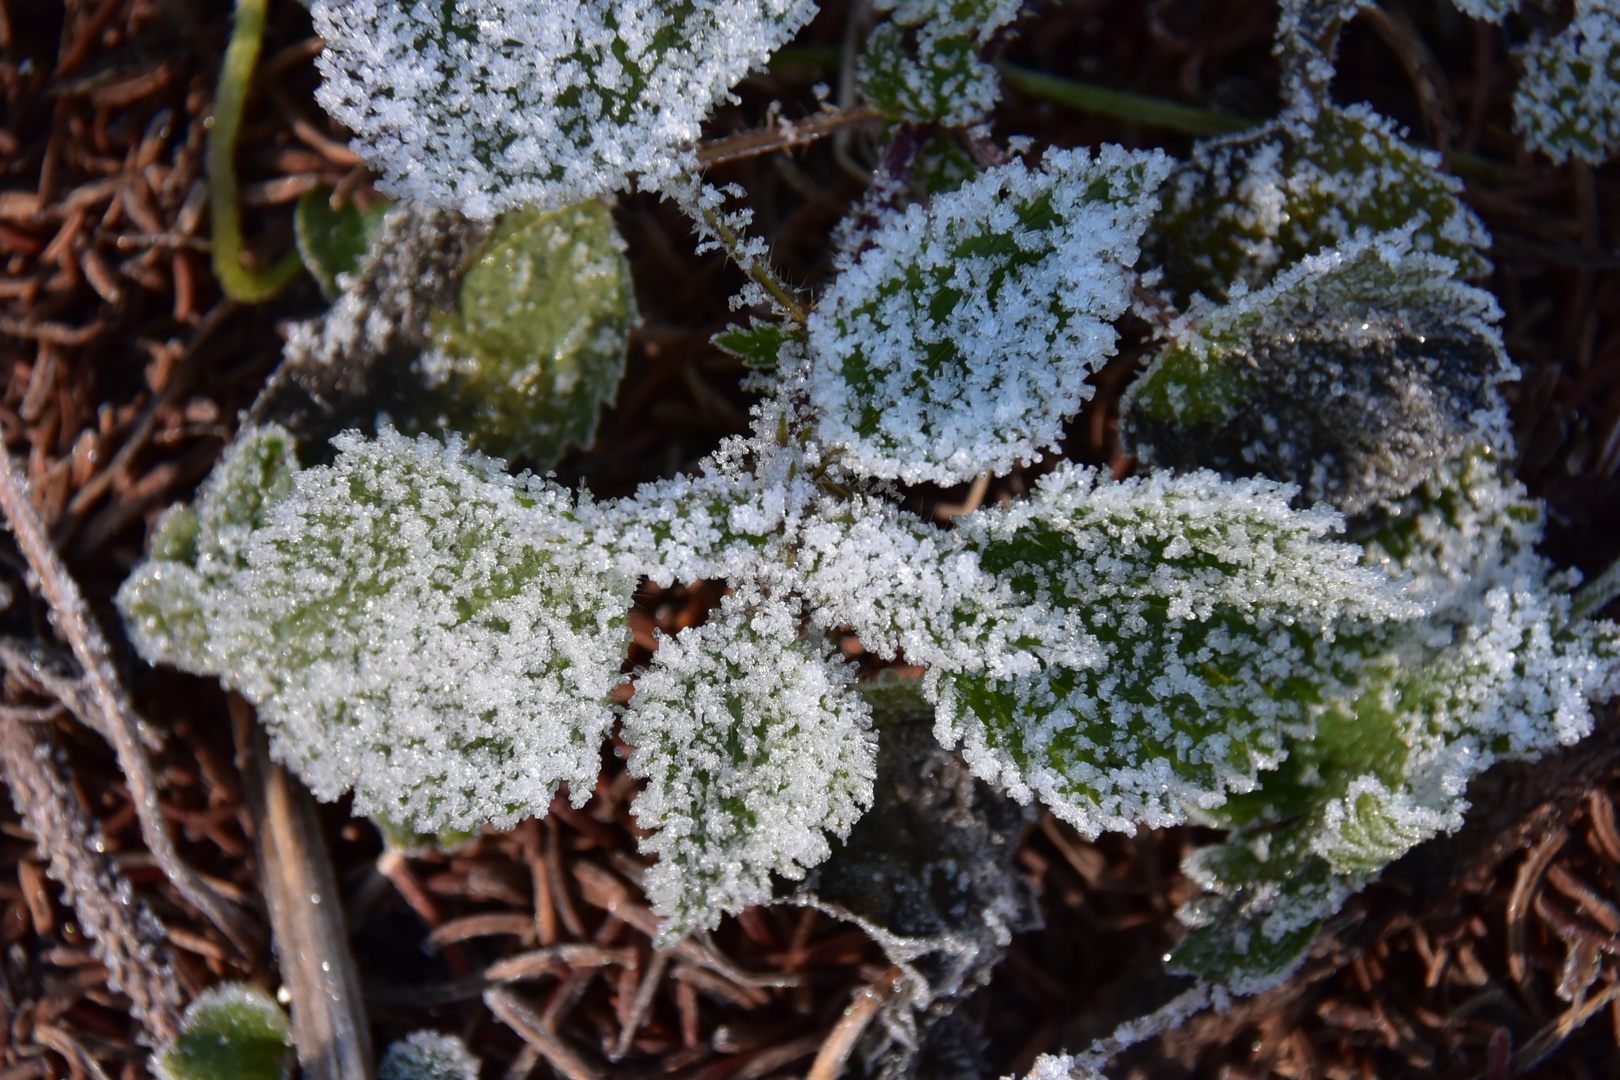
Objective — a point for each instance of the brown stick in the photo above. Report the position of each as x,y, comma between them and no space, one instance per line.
748,144
306,914
512,1012
829,1063
106,691
128,940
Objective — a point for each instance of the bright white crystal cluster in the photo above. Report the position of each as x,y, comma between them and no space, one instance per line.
485,105
960,338
1568,99
925,64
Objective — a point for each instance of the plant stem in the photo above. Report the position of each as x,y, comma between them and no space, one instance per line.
1595,594
748,144
757,270
1122,104
106,691
241,56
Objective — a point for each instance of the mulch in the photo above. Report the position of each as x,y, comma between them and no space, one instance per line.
122,373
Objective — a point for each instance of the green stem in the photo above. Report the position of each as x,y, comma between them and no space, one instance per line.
238,280
1592,596
761,273
1182,119
1121,104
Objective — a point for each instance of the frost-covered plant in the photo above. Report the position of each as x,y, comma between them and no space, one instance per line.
230,1032
1196,643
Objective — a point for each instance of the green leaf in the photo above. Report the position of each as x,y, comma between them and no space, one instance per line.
761,343
925,65
1568,100
537,344
231,1032
754,746
1248,206
488,105
960,338
333,242
413,624
1352,374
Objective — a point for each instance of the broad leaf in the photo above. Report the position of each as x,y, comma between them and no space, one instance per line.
536,346
333,242
231,1032
487,105
959,339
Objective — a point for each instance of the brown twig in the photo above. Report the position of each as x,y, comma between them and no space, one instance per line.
784,136
74,622
518,1016
128,940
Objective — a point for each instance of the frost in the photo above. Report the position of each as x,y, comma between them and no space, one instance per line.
1490,10
1199,619
419,627
1307,39
230,1032
1354,374
754,746
485,105
960,339
1247,206
1568,99
924,64
428,1055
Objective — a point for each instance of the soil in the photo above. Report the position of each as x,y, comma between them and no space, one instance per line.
122,373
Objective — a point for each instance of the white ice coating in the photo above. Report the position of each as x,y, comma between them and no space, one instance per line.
428,1055
1568,98
943,78
484,105
754,746
959,339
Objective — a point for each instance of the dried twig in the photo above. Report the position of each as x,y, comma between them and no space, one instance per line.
829,1063
306,914
522,1019
785,135
74,622
128,940
1518,909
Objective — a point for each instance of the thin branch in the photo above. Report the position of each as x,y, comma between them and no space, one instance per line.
784,136
512,1012
106,691
834,1054
128,940
306,913
762,274
1121,104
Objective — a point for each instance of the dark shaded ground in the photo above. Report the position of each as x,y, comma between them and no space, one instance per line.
121,373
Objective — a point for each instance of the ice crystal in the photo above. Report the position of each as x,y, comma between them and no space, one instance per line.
1568,99
1200,617
1495,667
754,746
428,1055
925,64
960,339
485,105
1246,206
415,626
1353,374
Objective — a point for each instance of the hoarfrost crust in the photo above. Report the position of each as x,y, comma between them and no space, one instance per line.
754,746
1568,99
959,340
484,105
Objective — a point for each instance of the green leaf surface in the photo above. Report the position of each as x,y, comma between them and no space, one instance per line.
536,346
333,242
232,1032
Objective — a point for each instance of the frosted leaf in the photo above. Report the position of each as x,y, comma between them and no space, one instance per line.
754,747
1489,10
1353,374
1568,99
428,1055
924,64
168,601
1247,206
230,1032
762,343
1307,41
536,345
486,105
417,626
959,340
333,242
1494,667
1207,612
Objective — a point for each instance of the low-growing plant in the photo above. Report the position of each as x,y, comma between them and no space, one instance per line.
1310,617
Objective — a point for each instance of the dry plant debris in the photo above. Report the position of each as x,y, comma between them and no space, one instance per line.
122,370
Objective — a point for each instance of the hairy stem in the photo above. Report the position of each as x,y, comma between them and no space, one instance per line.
784,136
106,691
241,56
